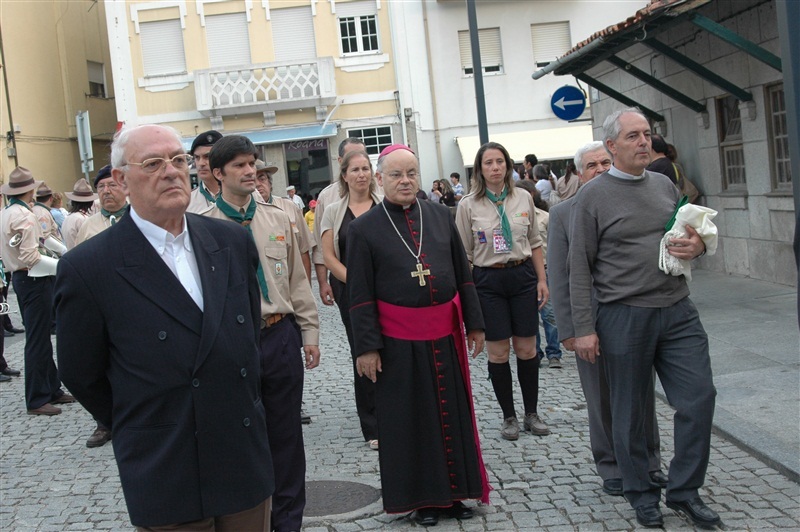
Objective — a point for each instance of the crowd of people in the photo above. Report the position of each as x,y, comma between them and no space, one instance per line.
197,378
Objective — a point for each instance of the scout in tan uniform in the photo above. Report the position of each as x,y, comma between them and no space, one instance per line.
289,319
113,206
44,202
497,226
81,199
205,195
305,242
19,246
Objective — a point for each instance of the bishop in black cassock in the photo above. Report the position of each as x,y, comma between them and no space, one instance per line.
429,453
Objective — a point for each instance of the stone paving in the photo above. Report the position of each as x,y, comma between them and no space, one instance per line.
49,479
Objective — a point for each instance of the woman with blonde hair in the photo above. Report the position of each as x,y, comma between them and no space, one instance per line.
498,228
357,191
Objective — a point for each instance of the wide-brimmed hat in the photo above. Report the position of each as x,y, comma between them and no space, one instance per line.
81,192
269,167
43,191
20,181
207,138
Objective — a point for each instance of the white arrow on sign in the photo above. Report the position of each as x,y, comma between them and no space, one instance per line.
560,103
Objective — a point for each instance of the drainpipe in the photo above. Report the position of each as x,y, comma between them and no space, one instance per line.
8,98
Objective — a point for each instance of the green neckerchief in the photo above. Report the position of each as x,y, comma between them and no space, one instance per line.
683,201
42,205
501,210
233,213
117,215
206,193
17,201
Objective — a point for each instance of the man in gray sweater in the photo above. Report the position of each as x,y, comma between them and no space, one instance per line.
644,320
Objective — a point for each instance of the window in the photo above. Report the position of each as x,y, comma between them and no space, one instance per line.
491,54
729,126
778,138
228,40
97,79
162,47
550,41
375,138
293,34
359,34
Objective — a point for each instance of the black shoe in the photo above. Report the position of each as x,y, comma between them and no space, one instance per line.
460,511
649,516
305,419
4,378
11,372
697,511
659,478
613,486
427,516
13,329
8,334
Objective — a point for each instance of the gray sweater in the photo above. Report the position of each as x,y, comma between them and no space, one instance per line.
616,231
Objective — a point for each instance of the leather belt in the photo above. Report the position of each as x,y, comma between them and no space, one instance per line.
271,320
509,264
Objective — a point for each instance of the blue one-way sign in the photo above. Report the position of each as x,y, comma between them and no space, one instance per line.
568,102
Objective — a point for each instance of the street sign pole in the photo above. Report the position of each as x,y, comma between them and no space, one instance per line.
477,72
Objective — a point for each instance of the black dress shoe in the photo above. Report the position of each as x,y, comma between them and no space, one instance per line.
460,511
99,437
427,516
613,486
649,516
11,372
697,511
659,478
15,329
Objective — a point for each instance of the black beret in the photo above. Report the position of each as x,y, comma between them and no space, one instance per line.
103,173
205,139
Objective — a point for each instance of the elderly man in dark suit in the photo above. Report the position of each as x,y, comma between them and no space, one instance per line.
158,324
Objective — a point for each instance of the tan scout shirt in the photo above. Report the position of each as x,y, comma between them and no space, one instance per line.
197,202
46,221
279,253
17,219
93,226
72,224
542,223
301,232
327,196
477,219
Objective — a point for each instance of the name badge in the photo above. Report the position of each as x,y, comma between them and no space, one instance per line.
500,245
278,268
481,237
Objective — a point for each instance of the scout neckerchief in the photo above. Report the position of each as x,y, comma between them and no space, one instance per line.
501,211
17,201
207,194
113,217
40,204
245,220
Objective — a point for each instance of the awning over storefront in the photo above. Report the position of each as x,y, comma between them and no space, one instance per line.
547,144
285,134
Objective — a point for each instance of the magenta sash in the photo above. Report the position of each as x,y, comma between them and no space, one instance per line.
432,323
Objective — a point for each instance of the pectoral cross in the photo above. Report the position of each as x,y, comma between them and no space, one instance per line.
421,274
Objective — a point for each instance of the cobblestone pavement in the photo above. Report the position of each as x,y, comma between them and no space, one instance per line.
49,479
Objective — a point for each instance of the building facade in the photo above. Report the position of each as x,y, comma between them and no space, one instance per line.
295,76
56,86
709,75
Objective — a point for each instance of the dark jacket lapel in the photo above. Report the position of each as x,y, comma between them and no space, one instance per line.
147,273
213,263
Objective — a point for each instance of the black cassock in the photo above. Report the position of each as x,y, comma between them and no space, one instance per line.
429,455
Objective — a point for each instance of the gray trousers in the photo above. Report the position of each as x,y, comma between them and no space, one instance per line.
598,407
634,340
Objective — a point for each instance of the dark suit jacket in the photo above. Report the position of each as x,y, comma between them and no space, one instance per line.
179,388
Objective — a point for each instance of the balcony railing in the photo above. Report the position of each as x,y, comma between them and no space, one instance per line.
265,87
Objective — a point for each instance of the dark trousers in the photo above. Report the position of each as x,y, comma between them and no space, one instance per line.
282,373
364,388
35,297
634,340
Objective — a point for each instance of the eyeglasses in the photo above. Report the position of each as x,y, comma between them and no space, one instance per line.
157,164
110,186
399,175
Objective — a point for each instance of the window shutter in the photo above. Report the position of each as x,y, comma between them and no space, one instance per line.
96,72
489,41
228,40
356,9
293,34
162,47
550,41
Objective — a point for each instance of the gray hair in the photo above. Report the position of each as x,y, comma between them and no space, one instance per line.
611,125
121,140
583,150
